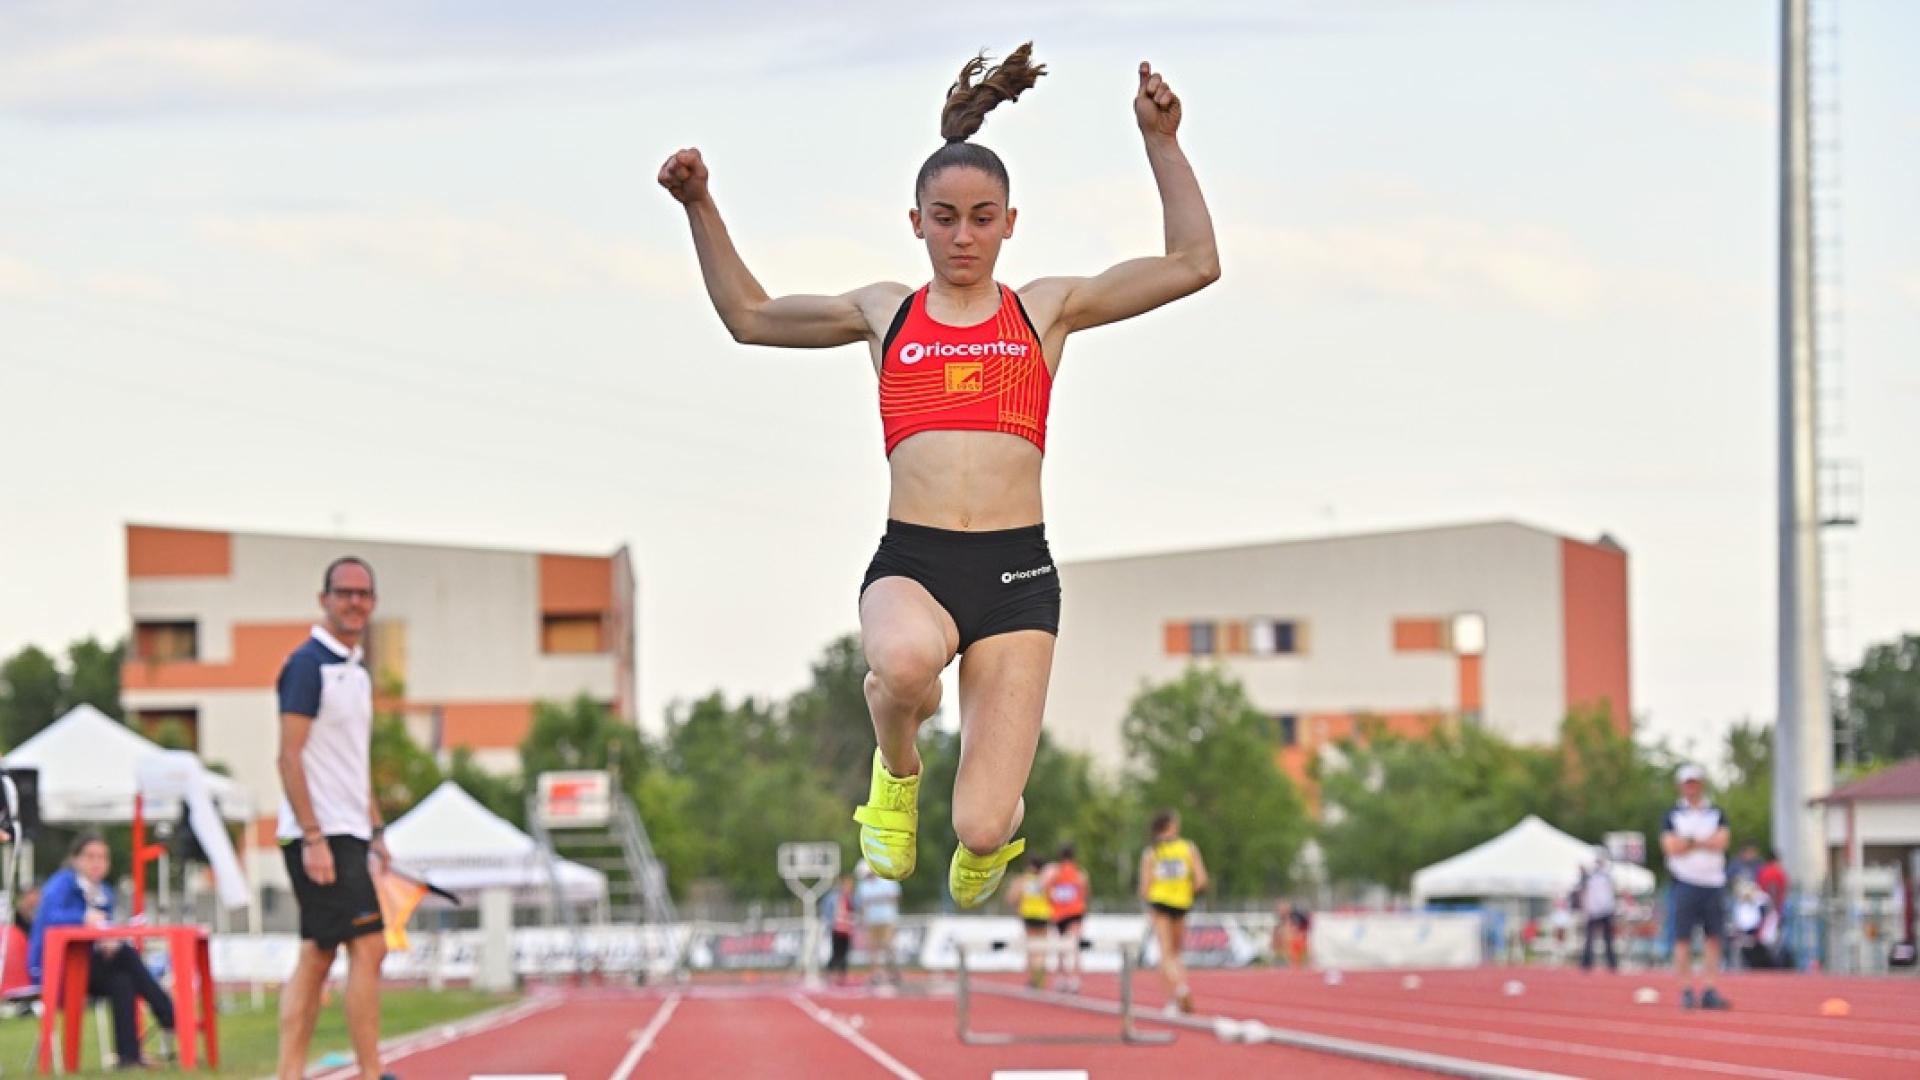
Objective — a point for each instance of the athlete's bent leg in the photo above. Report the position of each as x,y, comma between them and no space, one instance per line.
909,639
1003,694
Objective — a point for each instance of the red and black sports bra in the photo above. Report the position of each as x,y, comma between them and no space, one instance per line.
990,376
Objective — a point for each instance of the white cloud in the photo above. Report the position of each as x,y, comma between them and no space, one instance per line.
122,286
154,73
1724,91
1909,286
509,253
1447,261
20,277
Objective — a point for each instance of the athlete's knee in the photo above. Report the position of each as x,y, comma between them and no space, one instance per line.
902,672
983,831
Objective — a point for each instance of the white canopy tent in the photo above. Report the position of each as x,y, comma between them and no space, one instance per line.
1532,860
90,769
452,841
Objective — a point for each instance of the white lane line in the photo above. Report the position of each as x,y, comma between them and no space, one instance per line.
441,1035
1549,1023
838,1027
1560,1046
644,1041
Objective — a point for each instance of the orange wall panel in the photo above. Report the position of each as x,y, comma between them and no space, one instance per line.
258,651
1419,635
1594,595
1233,638
485,725
1472,696
155,552
575,584
1178,642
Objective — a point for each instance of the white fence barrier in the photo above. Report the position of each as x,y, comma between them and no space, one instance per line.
1363,940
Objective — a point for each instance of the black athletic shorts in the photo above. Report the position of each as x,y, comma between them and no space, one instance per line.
1704,906
344,910
990,582
1068,925
1177,914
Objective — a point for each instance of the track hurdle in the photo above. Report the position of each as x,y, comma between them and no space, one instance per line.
963,1000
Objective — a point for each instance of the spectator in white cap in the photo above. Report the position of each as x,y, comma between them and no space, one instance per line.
1694,837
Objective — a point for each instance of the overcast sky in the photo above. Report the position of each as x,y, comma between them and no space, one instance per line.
400,271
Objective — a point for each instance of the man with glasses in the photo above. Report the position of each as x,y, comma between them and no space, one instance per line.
329,823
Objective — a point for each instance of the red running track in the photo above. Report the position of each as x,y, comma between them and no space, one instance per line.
1563,1024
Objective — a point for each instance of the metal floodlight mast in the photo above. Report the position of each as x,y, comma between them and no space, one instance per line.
1803,732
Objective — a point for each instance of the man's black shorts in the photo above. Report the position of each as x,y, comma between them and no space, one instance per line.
991,582
344,910
1698,905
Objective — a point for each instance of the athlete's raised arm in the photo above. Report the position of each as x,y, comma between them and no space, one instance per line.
750,315
1191,262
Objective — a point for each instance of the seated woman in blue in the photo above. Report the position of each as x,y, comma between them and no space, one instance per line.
80,896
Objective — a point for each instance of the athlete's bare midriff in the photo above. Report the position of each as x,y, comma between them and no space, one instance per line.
967,481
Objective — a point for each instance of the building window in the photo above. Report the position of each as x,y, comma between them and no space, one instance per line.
1237,637
1200,638
1287,727
1276,637
572,634
175,729
165,642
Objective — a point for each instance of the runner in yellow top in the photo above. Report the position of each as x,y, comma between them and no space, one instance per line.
1028,895
1171,872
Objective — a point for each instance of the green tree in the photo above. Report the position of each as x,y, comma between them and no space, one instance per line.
746,789
582,734
403,771
1394,804
678,840
93,677
1607,782
31,691
1068,799
1198,746
1882,705
504,795
1747,796
830,720
35,690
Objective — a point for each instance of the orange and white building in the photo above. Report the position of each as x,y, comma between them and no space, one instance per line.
464,640
1499,623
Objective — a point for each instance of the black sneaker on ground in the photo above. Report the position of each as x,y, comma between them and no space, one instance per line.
1686,1002
1712,1000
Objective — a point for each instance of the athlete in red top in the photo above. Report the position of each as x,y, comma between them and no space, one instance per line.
1067,890
986,377
963,568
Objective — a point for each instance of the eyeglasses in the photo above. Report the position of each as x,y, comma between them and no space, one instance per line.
352,594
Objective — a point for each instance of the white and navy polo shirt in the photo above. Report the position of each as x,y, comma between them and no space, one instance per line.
1707,869
326,680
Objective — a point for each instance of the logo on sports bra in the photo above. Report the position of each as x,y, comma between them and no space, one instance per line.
914,351
966,378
